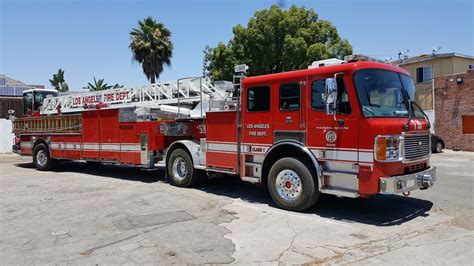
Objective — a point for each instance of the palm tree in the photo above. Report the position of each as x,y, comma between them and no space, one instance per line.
151,46
117,86
58,81
100,85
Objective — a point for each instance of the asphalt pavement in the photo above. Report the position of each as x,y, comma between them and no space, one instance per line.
106,214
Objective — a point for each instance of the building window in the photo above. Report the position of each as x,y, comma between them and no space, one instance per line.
424,74
468,124
258,99
290,96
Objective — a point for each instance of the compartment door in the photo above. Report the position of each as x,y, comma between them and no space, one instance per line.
109,135
90,135
144,153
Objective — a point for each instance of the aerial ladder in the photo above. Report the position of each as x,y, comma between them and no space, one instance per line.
168,96
185,98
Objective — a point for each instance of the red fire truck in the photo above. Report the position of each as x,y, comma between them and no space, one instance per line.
344,128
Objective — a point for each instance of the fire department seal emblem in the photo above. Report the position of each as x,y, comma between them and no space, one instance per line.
331,136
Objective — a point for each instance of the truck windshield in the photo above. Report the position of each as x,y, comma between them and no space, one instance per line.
381,93
33,100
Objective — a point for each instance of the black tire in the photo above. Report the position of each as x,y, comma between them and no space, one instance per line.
307,192
439,147
42,158
180,169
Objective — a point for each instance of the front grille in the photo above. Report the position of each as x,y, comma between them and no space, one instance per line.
417,146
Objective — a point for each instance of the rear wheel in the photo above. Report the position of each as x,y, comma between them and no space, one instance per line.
42,158
292,185
181,172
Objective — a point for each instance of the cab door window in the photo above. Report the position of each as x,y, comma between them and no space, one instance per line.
318,96
258,99
290,96
343,104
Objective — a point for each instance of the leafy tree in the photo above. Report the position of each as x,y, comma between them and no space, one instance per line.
207,51
277,40
100,85
58,81
151,46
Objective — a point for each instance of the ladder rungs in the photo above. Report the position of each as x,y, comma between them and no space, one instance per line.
69,124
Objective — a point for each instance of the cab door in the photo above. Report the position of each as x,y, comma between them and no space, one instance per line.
333,139
257,115
288,116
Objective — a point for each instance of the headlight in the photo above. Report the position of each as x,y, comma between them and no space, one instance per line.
388,148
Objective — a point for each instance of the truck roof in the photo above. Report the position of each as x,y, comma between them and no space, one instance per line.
353,66
35,89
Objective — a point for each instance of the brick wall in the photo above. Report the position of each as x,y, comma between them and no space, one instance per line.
452,101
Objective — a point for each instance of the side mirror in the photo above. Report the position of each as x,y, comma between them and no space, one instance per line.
331,96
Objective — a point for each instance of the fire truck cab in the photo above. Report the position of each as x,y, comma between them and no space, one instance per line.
347,129
33,99
350,129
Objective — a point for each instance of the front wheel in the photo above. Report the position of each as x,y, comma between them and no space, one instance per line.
181,172
292,185
42,158
439,147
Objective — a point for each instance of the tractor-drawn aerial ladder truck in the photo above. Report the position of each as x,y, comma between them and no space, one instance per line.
348,128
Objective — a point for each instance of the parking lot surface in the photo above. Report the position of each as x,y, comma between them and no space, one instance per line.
83,213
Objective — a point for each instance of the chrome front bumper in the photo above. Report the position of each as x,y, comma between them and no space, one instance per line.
404,183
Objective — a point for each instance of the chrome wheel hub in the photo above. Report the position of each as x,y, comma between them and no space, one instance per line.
439,147
180,169
288,184
41,158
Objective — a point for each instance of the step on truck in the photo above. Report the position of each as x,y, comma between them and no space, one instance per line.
347,128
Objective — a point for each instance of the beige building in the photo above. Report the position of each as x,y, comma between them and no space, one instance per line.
426,67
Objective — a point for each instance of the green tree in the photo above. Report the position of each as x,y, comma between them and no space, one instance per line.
152,47
100,85
277,40
58,81
207,51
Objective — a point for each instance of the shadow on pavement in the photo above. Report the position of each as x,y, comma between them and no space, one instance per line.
380,210
123,172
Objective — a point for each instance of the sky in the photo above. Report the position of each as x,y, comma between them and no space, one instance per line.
90,38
